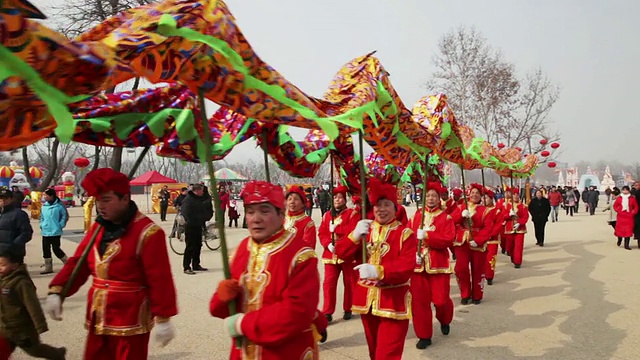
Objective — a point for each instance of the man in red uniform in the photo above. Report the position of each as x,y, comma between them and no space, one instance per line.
494,239
335,226
516,215
132,287
297,220
430,282
382,294
274,283
475,223
448,203
457,196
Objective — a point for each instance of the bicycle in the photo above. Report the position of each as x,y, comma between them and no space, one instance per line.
210,237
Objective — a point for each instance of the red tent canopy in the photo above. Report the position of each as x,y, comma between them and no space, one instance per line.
151,177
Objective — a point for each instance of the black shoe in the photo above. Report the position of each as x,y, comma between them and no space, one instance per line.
537,244
477,302
324,336
189,272
517,266
423,344
347,315
465,301
489,281
619,241
541,244
445,329
329,317
504,251
626,244
453,257
199,268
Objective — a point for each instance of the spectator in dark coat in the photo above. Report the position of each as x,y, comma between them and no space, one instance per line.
539,208
592,198
15,226
197,210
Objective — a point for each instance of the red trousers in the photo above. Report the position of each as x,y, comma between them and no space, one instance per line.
330,286
427,289
385,337
515,247
470,271
503,241
492,259
105,347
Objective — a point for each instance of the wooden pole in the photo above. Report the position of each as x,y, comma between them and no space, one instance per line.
363,193
265,154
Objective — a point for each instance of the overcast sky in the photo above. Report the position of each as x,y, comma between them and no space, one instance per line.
590,48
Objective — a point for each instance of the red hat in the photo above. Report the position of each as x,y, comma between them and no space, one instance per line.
341,190
489,193
356,199
379,190
475,186
102,180
457,192
296,190
515,191
257,192
437,187
444,191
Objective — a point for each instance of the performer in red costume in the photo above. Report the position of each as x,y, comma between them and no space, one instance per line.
502,204
274,283
430,282
132,285
516,216
471,246
297,220
382,294
401,215
457,196
335,226
494,239
448,203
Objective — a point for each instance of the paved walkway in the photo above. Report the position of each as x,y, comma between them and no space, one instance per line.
576,298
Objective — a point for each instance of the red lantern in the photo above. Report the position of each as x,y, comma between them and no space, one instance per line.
501,146
519,149
543,142
525,155
81,162
551,164
555,145
545,153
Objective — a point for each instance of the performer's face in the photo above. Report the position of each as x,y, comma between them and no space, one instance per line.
474,196
339,201
384,211
263,220
507,195
516,198
432,199
112,207
294,203
445,195
488,200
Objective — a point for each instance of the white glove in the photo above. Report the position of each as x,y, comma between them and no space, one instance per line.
332,228
332,248
473,243
362,228
513,213
465,213
53,307
165,332
418,260
421,234
516,226
233,325
367,271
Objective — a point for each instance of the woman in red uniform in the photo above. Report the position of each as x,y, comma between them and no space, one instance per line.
516,216
297,220
382,294
430,282
494,240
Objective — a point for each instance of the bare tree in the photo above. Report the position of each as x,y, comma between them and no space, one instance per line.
53,156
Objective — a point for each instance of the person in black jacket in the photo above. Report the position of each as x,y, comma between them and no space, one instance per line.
164,197
15,226
197,209
539,208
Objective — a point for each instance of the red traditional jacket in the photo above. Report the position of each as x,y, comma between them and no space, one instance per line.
132,281
449,205
281,288
303,226
345,222
522,217
498,220
440,234
401,215
482,225
392,249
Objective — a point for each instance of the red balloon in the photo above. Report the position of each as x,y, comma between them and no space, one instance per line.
545,153
525,155
555,145
501,146
81,162
543,142
519,149
552,164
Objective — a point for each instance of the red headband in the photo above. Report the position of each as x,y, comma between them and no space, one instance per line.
475,186
341,190
298,191
258,192
103,180
489,193
379,190
437,187
457,192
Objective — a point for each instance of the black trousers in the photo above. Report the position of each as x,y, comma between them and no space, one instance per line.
539,225
49,242
34,347
163,210
231,221
193,240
